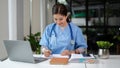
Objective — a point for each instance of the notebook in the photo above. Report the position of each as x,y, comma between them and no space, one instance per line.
19,50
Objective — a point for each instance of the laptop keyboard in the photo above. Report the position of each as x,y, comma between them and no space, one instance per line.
40,59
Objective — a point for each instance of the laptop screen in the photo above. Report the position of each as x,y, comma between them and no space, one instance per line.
19,50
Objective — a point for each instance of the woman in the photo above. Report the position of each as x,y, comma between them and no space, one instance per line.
62,36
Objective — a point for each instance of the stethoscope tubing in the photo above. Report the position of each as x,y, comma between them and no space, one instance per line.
71,33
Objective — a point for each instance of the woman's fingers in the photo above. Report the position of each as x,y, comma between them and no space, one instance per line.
72,52
47,53
65,52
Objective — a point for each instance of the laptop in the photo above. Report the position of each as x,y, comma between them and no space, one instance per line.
19,50
3,53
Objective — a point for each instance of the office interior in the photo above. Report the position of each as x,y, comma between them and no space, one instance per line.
98,19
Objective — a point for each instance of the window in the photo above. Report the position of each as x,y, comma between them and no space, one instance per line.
99,20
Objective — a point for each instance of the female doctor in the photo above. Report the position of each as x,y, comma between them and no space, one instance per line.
62,36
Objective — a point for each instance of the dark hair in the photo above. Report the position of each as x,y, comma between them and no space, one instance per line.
60,9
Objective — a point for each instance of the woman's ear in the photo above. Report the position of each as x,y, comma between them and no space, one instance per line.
68,14
68,17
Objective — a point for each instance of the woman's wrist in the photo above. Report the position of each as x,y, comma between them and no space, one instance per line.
72,52
80,50
44,49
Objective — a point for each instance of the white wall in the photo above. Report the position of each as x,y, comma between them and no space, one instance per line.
45,13
15,19
41,15
20,16
35,21
26,17
12,19
36,16
50,4
3,26
20,28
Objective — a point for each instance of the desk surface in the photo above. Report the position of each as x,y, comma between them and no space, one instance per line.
112,62
45,64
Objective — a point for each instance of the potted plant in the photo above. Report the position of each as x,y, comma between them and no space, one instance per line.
104,48
34,42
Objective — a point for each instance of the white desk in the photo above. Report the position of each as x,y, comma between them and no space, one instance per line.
112,62
45,64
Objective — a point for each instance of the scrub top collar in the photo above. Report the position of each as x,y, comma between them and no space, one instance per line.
71,32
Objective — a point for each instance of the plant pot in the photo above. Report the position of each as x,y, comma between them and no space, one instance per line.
103,53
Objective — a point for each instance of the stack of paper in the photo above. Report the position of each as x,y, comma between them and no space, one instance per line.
55,55
77,58
74,58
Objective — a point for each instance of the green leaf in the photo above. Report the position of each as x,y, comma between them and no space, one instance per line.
104,44
34,41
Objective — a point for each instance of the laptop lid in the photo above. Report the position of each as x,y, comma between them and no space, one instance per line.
19,50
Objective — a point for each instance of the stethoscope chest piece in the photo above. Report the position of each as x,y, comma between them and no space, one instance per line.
72,42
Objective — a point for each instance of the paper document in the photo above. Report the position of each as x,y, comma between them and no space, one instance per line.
80,57
55,55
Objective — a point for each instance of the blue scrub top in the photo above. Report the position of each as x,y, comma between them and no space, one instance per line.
59,40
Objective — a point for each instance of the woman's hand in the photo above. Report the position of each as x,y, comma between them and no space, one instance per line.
47,53
67,52
79,50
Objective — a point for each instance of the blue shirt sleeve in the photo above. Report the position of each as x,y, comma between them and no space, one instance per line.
80,41
45,37
44,41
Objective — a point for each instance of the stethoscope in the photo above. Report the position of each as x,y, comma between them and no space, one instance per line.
71,33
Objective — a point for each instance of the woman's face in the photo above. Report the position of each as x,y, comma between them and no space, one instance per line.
60,20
